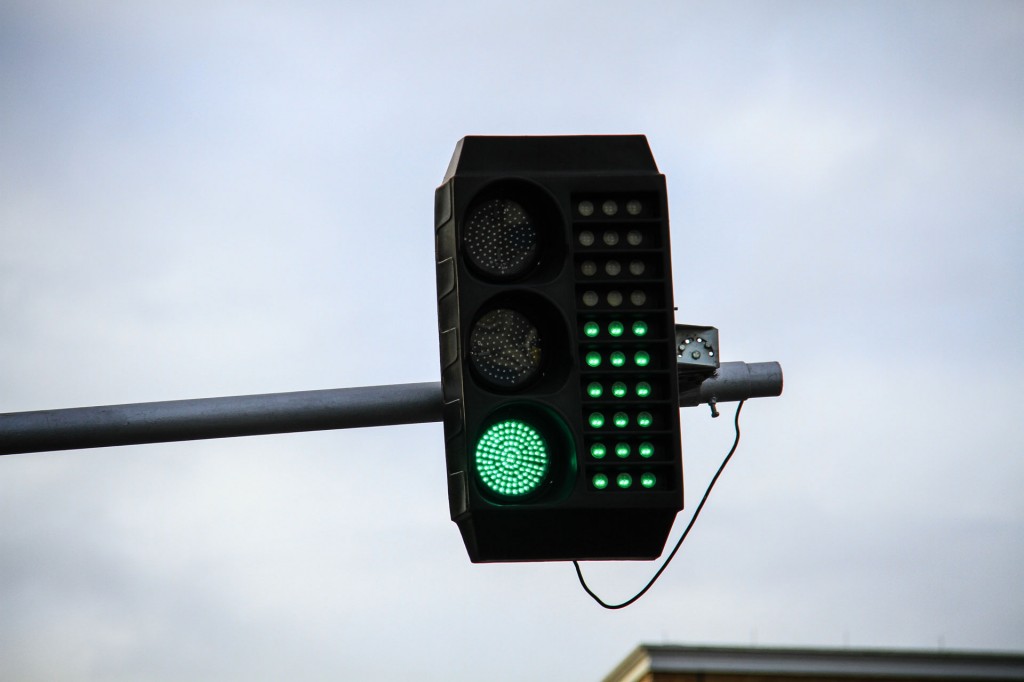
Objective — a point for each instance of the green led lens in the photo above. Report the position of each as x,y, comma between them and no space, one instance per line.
643,389
598,451
622,450
647,480
593,359
639,328
646,450
594,389
618,359
619,389
596,420
621,420
644,419
600,481
512,458
642,358
616,328
591,329
623,480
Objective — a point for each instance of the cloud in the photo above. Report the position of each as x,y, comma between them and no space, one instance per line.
221,199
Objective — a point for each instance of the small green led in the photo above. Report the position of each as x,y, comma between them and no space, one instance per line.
600,481
598,451
596,420
591,329
639,328
617,358
642,358
616,328
594,389
593,359
619,389
622,450
647,480
643,389
621,420
644,419
623,480
646,450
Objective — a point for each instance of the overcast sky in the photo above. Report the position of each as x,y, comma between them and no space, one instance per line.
213,198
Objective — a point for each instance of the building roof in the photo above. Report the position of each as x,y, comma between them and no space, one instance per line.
650,659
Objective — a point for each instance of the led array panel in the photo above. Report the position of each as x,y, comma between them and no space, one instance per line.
621,307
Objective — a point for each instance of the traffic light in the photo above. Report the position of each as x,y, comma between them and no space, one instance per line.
558,357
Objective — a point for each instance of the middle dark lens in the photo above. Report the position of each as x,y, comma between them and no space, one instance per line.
504,347
501,239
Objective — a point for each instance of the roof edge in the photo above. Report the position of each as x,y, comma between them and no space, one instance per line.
807,661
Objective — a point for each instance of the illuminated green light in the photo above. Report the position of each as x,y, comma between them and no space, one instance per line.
622,450
646,450
598,451
639,328
621,420
647,480
593,359
618,359
594,389
596,420
600,481
623,480
644,419
642,358
591,329
619,389
512,458
616,328
643,389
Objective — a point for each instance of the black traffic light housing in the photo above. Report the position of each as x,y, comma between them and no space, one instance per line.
558,354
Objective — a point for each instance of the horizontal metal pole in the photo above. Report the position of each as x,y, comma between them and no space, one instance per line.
247,415
257,415
735,381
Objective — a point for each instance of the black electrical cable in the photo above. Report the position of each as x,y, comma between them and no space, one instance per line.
679,543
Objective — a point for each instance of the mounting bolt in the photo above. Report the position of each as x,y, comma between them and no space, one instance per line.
713,404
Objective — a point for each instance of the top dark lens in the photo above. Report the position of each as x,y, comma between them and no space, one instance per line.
501,239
